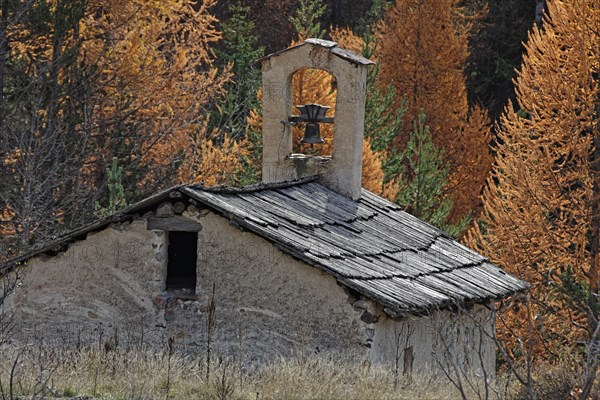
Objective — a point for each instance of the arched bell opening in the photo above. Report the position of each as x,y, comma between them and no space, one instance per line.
314,98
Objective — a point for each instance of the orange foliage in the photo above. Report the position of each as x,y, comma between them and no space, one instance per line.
6,226
157,72
373,176
423,50
346,39
541,202
151,74
212,164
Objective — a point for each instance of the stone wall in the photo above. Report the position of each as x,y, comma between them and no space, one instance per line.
271,302
113,283
443,340
106,281
110,288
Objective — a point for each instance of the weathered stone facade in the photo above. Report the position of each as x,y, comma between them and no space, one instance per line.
111,287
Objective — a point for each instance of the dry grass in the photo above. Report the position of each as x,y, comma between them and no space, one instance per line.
102,372
141,374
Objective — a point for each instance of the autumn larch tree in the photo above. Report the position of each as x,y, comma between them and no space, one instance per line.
82,82
423,51
152,84
541,217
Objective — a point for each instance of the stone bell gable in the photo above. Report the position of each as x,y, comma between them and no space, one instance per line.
342,171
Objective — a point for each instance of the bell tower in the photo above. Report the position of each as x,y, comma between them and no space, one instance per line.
342,171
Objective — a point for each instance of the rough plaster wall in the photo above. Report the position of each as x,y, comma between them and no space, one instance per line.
99,283
437,341
274,303
109,288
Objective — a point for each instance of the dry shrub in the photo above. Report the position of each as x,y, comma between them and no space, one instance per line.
558,381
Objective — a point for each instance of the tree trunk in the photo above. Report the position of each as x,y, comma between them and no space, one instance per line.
336,13
3,54
593,275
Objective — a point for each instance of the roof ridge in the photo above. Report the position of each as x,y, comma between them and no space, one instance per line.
224,189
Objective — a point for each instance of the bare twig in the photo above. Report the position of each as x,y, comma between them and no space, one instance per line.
210,328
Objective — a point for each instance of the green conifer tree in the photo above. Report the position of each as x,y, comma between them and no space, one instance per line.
424,177
306,20
375,12
116,193
383,120
240,51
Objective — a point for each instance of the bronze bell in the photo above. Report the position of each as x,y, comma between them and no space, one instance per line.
312,134
312,114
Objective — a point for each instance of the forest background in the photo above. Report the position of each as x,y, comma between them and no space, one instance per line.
482,119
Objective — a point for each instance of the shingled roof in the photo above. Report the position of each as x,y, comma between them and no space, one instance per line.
370,246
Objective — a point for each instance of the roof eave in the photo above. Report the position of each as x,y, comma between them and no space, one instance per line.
96,225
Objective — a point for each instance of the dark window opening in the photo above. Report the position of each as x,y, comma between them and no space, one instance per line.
181,267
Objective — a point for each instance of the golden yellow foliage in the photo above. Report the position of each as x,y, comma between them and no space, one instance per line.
6,227
158,69
540,219
212,160
422,51
373,176
148,72
346,39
